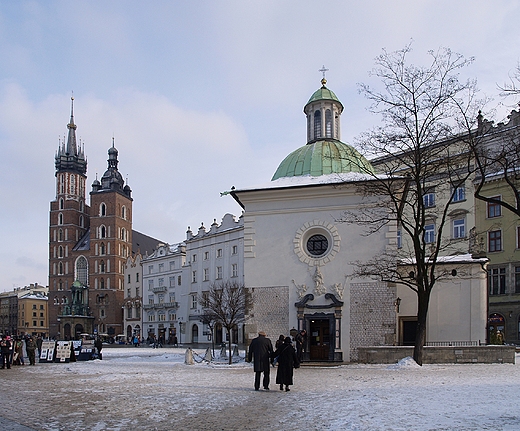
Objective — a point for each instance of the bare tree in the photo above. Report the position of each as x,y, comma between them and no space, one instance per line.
428,118
210,319
226,302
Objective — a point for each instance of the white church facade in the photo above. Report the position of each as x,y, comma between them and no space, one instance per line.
291,249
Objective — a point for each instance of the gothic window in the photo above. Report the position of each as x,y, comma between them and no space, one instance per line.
81,270
102,266
102,283
102,250
317,124
102,232
73,184
61,203
328,123
123,212
60,218
60,268
60,235
123,234
81,222
102,209
60,251
81,206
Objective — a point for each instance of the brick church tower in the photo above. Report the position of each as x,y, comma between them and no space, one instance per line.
88,245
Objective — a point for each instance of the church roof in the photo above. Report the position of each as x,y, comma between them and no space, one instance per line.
323,157
323,93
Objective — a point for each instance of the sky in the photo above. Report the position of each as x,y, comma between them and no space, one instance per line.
151,389
200,96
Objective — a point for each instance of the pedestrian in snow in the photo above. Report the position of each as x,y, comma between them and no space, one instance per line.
287,362
39,342
98,344
30,347
18,352
260,352
300,343
5,346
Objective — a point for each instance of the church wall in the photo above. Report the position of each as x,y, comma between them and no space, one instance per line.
372,316
270,313
274,235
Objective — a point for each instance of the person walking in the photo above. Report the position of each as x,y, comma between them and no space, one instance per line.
18,352
98,344
260,352
287,362
5,346
30,347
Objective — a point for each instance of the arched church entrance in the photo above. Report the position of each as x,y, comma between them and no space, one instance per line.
497,325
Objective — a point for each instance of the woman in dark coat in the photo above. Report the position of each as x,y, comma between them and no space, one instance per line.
287,362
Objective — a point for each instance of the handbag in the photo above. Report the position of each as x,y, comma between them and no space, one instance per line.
15,356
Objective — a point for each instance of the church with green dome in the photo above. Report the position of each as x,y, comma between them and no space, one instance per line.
299,256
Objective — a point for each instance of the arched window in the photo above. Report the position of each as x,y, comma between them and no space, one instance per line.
195,334
60,251
56,301
82,270
82,206
102,209
328,123
73,184
102,283
60,235
60,218
102,248
60,268
81,221
102,232
123,212
61,203
102,266
317,124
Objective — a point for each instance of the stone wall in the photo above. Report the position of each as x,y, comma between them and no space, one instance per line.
270,313
439,354
372,316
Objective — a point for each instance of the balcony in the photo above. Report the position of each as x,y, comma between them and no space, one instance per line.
159,289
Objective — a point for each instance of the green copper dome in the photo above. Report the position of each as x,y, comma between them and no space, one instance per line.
323,157
324,93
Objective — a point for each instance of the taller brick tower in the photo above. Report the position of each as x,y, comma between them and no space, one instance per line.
68,224
88,245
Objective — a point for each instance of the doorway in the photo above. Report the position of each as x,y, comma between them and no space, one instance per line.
319,340
408,331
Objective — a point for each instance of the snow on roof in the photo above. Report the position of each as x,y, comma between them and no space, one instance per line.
307,180
455,259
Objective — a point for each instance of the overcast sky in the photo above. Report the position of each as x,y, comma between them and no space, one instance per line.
199,95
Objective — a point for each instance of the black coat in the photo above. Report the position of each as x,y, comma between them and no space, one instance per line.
287,362
260,352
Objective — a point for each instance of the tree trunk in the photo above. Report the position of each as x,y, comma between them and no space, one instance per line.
420,335
229,346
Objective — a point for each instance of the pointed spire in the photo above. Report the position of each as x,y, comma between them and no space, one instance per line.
71,141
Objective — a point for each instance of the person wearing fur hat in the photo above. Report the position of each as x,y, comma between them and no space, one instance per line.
287,362
260,352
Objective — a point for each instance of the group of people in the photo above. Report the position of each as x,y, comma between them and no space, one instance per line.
12,350
284,355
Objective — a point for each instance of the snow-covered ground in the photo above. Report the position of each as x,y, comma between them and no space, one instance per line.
147,389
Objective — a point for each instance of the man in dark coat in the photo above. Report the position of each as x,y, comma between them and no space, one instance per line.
30,347
260,352
300,343
287,362
5,345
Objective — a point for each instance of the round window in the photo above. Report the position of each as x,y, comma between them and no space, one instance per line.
317,245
